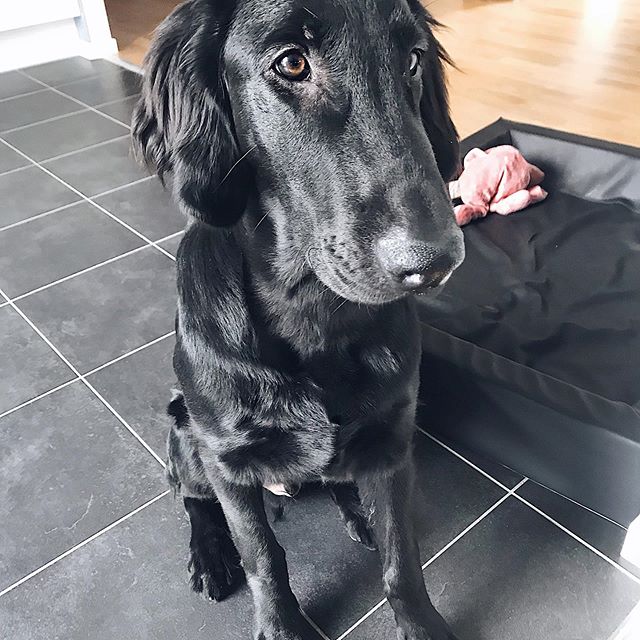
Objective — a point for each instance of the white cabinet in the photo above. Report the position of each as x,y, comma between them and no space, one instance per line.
35,31
27,13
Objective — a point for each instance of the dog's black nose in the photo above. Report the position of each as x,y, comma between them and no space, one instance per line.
415,264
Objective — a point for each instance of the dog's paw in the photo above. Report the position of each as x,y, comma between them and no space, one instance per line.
360,530
215,575
416,632
296,627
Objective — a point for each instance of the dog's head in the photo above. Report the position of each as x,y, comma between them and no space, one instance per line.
331,115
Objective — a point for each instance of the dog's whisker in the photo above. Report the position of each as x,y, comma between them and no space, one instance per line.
307,257
339,306
235,164
261,220
310,12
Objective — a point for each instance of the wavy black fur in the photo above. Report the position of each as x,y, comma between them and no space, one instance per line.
298,345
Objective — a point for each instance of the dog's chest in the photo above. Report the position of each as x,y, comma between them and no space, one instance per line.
363,362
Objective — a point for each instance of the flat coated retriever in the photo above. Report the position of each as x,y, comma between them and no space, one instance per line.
307,142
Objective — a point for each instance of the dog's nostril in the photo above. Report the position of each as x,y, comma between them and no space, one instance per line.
414,265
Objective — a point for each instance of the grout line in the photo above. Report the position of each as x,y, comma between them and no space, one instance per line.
126,254
93,267
308,618
39,215
38,397
67,153
44,121
71,204
89,200
542,513
455,453
64,155
124,186
582,506
130,353
64,359
579,539
366,616
46,87
66,95
83,543
91,146
15,170
134,433
89,373
25,94
22,71
437,555
475,522
110,102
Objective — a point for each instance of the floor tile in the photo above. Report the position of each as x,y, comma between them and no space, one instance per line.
172,244
70,69
105,87
599,532
515,576
497,471
139,389
28,367
130,582
24,110
147,207
42,141
68,468
10,160
54,246
338,580
13,83
100,168
120,110
28,192
332,575
104,313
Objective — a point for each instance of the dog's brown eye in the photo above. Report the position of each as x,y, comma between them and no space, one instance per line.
414,61
292,65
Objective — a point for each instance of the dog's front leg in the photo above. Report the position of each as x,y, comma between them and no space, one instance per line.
278,615
389,497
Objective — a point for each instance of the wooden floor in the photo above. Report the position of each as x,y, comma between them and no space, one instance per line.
567,64
132,24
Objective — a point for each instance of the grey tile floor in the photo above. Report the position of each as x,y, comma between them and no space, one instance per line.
92,545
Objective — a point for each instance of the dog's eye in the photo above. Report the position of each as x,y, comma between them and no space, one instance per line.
292,65
414,61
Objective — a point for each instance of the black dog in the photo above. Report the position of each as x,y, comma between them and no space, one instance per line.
307,141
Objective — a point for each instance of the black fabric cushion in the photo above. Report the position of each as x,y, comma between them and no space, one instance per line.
547,302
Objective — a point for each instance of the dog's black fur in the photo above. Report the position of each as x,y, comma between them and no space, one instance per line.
316,208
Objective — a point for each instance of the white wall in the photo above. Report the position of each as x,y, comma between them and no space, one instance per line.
35,31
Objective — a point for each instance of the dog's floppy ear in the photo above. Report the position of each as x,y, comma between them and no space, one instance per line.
183,125
434,105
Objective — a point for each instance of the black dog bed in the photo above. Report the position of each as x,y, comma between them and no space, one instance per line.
532,351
